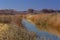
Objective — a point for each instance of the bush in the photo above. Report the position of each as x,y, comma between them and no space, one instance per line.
30,10
48,11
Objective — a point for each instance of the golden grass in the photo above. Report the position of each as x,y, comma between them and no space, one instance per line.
12,29
47,22
12,32
16,19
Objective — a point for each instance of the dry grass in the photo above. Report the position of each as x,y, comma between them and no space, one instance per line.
16,19
12,29
12,32
47,22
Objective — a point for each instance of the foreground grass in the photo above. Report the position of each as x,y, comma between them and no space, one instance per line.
12,32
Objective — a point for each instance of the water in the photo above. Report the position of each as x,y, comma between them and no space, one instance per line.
32,27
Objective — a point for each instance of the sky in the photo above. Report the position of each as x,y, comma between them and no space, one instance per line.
22,5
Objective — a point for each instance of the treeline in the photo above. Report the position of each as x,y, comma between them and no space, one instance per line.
44,11
50,10
13,12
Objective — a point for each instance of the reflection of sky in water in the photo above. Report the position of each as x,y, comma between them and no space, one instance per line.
31,27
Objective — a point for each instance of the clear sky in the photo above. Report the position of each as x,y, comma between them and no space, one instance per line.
26,4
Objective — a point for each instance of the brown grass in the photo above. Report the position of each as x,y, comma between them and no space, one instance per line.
12,29
12,32
47,22
14,19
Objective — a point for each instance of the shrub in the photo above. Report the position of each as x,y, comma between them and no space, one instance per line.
48,10
30,10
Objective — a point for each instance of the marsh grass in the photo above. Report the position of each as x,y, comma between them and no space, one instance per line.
12,32
44,23
15,31
12,29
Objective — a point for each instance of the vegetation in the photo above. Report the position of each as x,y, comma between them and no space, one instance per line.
12,32
30,10
47,22
48,11
43,22
12,29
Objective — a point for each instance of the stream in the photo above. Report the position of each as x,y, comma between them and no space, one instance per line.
32,28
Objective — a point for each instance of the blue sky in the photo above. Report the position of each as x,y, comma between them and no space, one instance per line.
26,4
